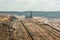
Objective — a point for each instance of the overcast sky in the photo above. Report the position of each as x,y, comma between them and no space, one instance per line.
28,5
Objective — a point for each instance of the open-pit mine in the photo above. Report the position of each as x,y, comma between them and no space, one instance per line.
21,28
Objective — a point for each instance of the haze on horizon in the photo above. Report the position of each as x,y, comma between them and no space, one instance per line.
29,5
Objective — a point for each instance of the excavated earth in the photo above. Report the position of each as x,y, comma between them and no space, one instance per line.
13,29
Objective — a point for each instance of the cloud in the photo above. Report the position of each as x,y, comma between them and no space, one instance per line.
14,4
36,5
45,5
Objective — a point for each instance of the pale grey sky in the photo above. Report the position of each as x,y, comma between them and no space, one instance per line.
30,5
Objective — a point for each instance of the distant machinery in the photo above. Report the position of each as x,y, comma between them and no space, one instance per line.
30,16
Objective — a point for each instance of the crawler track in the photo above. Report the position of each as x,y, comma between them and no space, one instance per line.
41,32
20,32
27,30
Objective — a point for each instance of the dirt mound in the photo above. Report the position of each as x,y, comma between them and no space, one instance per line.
6,29
4,32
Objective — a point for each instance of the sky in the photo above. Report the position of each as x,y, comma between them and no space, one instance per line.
29,5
